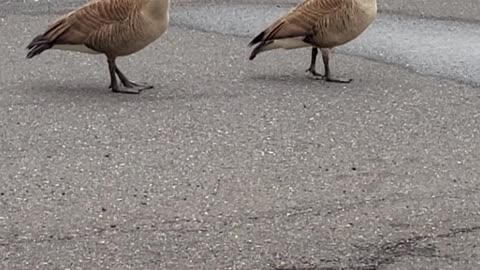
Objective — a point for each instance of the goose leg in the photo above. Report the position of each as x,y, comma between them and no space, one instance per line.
131,84
312,69
326,59
113,77
129,87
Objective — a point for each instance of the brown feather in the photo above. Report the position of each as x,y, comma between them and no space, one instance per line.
88,24
321,23
302,20
113,27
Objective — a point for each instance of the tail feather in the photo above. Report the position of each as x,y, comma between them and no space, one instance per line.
258,49
39,44
284,43
257,39
46,40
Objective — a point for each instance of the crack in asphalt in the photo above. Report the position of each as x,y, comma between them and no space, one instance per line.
236,222
387,253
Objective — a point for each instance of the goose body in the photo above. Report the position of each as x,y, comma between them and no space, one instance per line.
321,24
114,28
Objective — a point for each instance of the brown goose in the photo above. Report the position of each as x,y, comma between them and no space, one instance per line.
111,27
322,24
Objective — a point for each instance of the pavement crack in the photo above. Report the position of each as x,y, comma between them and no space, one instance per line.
388,252
384,254
168,226
354,267
456,231
326,210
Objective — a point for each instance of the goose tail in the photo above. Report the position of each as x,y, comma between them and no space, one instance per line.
39,44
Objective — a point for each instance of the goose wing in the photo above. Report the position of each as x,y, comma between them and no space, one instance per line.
303,20
93,25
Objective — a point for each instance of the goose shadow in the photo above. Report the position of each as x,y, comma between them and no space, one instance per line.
71,89
99,92
302,79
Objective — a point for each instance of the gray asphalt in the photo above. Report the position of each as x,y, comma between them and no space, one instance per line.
233,164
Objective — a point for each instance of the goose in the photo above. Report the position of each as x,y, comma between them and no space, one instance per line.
114,28
320,24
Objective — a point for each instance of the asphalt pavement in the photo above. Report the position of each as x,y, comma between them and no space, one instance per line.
235,164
